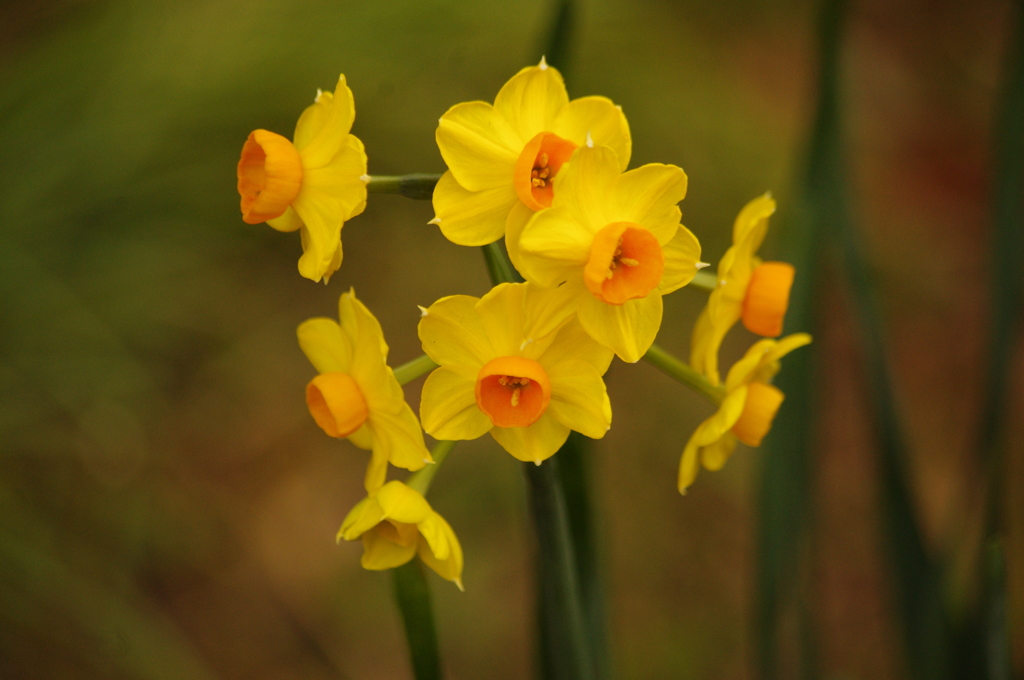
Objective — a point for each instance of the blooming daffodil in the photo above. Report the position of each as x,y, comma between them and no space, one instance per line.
313,184
756,292
505,372
395,524
503,157
747,411
356,395
612,245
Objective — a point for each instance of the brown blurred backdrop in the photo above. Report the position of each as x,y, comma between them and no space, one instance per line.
167,505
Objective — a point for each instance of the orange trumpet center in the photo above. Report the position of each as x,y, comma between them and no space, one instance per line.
512,391
767,298
536,167
763,401
625,263
269,176
336,403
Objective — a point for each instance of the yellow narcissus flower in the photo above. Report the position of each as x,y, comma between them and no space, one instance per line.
746,413
756,292
503,370
502,158
396,523
356,395
314,184
612,245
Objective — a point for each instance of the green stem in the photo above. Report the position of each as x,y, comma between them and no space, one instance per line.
569,654
419,186
411,370
412,594
679,370
704,280
421,479
498,265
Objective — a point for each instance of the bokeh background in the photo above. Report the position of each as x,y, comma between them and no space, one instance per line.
167,505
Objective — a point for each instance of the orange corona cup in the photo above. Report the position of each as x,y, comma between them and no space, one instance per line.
513,391
767,298
336,404
269,176
626,263
763,402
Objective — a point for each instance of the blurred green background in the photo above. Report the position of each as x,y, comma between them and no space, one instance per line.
167,505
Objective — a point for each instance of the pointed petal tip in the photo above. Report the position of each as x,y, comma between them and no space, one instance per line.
423,311
458,582
436,220
365,178
701,265
543,65
590,140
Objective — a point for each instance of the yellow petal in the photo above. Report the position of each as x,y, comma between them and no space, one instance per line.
398,436
402,503
452,334
547,310
602,120
362,438
553,247
786,345
704,344
682,254
584,186
709,432
744,370
289,221
478,145
531,99
751,224
323,127
573,344
325,345
341,179
379,553
715,454
517,219
362,326
501,313
448,406
579,399
535,443
321,216
377,470
432,531
360,519
450,568
472,218
648,196
628,329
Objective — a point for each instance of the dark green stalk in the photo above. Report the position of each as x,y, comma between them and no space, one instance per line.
917,577
992,652
784,503
419,186
565,642
412,594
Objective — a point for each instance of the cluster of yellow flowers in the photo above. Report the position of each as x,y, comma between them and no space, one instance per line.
598,246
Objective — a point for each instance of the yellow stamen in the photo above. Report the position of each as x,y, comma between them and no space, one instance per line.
515,396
